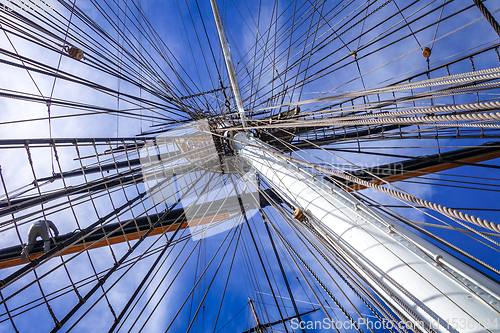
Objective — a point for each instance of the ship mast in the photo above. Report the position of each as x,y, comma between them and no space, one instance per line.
259,325
419,280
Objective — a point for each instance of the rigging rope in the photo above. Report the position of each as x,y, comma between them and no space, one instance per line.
487,15
404,196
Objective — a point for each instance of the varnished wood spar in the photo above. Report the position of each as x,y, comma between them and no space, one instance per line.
120,238
427,170
437,167
118,232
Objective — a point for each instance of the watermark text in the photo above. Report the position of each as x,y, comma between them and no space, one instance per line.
450,323
33,5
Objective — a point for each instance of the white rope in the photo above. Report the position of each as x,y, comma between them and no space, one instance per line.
469,77
489,116
404,196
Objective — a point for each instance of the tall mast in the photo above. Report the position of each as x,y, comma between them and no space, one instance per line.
259,325
419,280
229,64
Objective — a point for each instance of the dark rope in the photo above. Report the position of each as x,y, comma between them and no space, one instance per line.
487,15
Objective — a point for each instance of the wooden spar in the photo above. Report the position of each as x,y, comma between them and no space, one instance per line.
421,166
118,232
259,325
442,162
118,238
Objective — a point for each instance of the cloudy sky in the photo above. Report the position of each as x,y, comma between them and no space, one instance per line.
143,60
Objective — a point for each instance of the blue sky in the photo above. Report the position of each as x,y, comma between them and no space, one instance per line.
189,45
